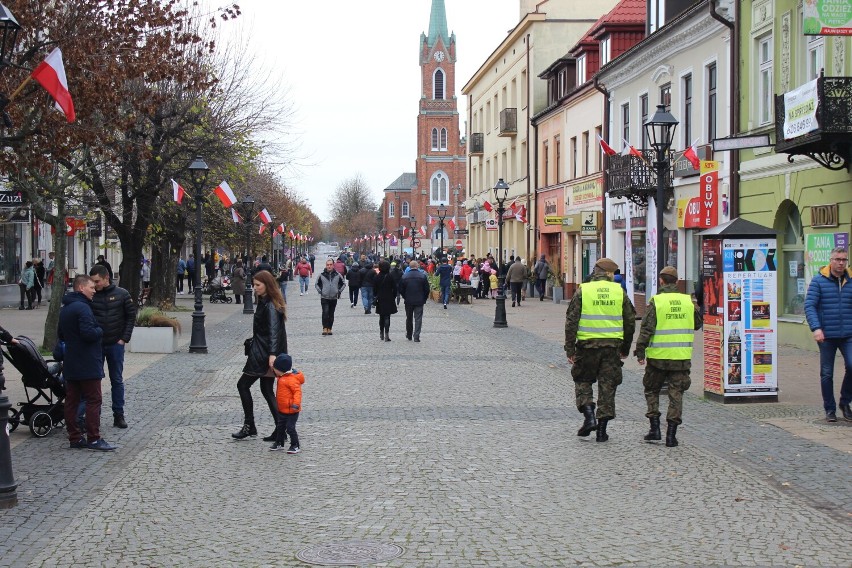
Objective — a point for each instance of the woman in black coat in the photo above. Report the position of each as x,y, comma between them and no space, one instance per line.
353,277
385,293
269,339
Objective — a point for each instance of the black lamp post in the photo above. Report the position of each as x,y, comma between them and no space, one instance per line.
385,242
198,170
248,212
660,130
400,232
413,223
501,193
442,214
9,28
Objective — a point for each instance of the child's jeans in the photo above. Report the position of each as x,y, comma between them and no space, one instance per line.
287,427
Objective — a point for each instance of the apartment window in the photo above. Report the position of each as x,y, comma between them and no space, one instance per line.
815,57
573,157
444,139
666,96
581,69
657,15
488,116
562,83
764,80
545,156
405,209
558,158
391,209
438,85
625,123
586,153
687,109
439,192
712,110
435,139
605,51
643,109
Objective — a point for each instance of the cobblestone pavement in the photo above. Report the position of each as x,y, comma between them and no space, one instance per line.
460,449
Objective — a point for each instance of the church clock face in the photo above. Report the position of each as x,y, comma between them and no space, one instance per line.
439,56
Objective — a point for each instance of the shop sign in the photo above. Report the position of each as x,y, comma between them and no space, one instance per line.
11,198
684,168
800,106
818,248
618,213
583,195
824,215
827,17
491,224
703,211
73,225
15,215
585,223
553,220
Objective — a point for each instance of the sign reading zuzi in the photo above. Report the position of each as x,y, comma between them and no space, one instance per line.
11,198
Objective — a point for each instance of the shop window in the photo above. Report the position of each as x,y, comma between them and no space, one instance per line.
11,253
792,251
638,244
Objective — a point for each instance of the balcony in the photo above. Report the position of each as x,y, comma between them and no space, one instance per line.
830,144
634,178
508,122
477,144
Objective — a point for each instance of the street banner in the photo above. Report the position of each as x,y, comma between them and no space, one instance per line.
800,107
827,17
628,258
651,272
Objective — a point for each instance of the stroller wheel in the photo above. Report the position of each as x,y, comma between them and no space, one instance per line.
14,419
41,424
229,299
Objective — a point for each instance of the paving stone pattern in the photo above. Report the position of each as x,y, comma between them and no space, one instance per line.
461,450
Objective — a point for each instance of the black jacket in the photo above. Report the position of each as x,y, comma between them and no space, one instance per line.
353,277
414,288
116,313
396,274
385,294
269,336
263,266
84,354
368,277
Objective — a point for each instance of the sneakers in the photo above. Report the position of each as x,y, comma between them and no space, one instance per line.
445,306
513,304
847,412
294,450
80,444
119,422
276,447
301,293
830,417
100,445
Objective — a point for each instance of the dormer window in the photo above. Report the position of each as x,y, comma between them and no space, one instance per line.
605,50
581,69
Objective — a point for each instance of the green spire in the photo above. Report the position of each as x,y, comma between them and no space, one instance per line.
438,23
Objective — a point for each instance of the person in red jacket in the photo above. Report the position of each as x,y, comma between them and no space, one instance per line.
303,269
289,396
466,271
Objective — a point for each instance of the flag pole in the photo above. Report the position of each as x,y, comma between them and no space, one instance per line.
20,88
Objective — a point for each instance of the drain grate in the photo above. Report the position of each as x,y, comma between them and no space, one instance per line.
352,553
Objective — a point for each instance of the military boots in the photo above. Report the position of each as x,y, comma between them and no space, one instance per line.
671,441
654,432
590,424
601,435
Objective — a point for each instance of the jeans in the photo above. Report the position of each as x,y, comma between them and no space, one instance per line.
353,295
86,393
367,297
827,351
283,286
304,281
114,356
328,307
539,283
286,426
445,294
413,321
179,283
266,389
516,291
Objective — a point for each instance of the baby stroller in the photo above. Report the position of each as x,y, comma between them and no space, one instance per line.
217,291
43,377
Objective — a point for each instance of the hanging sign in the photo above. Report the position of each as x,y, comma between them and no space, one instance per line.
800,106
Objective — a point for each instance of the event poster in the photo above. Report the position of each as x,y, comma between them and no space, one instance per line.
713,293
750,326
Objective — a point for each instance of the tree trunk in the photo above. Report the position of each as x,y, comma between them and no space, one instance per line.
164,258
57,290
131,263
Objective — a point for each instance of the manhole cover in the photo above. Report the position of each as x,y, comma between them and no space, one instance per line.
352,553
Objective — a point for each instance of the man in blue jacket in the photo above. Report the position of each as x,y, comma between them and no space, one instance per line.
828,307
445,273
83,366
414,289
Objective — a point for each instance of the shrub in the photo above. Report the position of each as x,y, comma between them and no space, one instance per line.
152,317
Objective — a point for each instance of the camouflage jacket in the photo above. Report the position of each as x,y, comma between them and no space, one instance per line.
649,326
572,322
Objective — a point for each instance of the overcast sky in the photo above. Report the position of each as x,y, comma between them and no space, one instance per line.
353,75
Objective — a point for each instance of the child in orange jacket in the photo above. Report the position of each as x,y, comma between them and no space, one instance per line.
289,396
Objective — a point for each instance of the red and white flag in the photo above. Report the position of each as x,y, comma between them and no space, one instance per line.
691,154
178,191
431,220
629,150
292,234
280,229
452,223
608,150
423,230
236,216
262,228
488,206
521,214
265,216
50,74
225,195
404,231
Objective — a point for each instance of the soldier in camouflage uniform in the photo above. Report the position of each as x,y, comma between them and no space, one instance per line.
599,326
665,339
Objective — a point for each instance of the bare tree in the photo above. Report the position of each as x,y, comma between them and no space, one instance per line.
350,199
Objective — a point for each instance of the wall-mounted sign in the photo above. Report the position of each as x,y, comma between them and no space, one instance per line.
553,220
827,17
800,106
550,206
11,198
824,215
584,195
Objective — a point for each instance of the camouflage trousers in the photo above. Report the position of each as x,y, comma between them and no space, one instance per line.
601,365
678,382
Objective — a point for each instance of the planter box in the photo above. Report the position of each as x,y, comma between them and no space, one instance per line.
435,295
153,340
557,294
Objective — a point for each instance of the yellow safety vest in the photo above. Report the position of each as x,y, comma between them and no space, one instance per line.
675,328
601,311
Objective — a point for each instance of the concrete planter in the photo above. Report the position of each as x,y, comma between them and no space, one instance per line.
154,340
557,294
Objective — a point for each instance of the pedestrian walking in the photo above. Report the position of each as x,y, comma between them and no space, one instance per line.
303,269
396,274
288,396
51,268
515,278
445,280
146,273
414,289
312,260
83,371
541,270
599,326
385,301
38,285
115,311
102,261
179,273
282,284
828,309
329,285
238,281
665,342
27,285
368,280
353,279
190,273
268,340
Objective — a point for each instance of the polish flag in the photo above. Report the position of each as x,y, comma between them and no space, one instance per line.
608,150
691,154
431,220
225,195
291,233
179,192
404,231
423,230
262,228
265,216
280,229
629,150
452,223
488,207
236,216
521,214
50,74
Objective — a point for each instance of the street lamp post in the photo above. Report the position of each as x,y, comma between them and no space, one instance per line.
442,214
198,170
413,223
9,28
385,242
660,130
248,211
400,231
501,192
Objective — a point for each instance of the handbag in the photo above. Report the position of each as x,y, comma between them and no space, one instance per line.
247,345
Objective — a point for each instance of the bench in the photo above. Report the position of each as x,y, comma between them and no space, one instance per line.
143,297
463,292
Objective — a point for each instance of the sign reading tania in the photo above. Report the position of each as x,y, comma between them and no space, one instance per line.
702,211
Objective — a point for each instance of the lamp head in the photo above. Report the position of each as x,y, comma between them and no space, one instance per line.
501,191
442,210
9,28
660,128
198,171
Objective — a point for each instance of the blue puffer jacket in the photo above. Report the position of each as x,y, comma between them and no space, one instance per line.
828,305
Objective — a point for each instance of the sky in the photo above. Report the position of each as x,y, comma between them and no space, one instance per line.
352,75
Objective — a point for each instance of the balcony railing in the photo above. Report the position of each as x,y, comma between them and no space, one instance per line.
508,122
477,144
831,143
635,178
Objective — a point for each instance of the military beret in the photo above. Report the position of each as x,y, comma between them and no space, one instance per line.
606,264
669,271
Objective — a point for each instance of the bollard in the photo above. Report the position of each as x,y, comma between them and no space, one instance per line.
8,487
